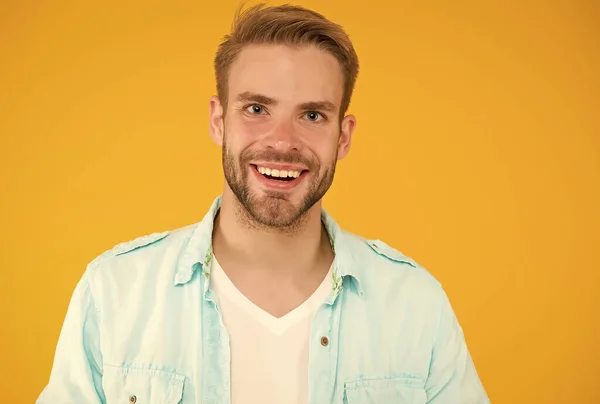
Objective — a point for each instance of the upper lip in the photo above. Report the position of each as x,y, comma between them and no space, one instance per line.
278,166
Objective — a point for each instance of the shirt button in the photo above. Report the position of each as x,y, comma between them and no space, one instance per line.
324,341
132,399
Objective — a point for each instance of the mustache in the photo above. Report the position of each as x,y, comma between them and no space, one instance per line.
277,157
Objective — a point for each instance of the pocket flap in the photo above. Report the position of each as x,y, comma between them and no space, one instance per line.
388,390
141,386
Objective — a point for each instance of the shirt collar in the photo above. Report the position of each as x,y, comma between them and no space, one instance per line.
197,254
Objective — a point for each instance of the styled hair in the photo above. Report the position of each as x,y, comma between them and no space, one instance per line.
285,25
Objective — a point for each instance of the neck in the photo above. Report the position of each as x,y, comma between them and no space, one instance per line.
280,252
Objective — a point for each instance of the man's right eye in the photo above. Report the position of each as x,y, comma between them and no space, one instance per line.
255,109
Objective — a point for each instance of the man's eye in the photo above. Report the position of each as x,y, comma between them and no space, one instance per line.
313,116
255,109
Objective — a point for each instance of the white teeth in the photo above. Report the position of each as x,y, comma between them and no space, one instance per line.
278,173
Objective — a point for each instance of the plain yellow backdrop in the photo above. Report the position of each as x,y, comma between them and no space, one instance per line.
476,153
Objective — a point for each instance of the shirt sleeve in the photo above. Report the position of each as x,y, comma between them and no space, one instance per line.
452,378
76,375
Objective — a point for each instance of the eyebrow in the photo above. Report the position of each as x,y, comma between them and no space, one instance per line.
248,96
318,106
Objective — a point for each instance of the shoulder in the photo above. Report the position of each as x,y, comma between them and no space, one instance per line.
384,267
379,252
139,252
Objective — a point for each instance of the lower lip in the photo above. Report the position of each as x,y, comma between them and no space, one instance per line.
277,184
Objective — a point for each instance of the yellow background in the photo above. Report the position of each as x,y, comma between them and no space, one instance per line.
476,153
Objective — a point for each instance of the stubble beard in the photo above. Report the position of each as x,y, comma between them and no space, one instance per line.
272,210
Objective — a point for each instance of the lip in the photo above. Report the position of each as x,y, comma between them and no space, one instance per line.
277,166
276,184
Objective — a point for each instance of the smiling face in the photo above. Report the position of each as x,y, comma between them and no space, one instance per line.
281,133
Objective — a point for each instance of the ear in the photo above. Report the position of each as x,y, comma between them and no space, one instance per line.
216,124
346,130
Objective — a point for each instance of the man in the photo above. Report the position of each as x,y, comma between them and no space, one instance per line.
266,300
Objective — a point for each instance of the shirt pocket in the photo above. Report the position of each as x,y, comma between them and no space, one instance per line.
397,390
124,385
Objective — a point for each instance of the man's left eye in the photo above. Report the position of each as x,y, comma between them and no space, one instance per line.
313,116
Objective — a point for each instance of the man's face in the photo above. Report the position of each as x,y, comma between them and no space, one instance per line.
281,133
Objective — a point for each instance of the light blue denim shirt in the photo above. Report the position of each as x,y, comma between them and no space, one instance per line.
142,327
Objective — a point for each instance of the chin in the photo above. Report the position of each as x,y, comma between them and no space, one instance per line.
275,210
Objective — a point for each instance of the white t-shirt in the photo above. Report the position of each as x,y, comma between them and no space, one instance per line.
269,355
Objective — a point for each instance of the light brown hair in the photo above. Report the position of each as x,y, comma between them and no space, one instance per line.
288,25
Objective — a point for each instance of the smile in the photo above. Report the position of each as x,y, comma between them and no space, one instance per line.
279,178
284,175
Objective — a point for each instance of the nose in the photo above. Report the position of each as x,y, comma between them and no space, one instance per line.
283,137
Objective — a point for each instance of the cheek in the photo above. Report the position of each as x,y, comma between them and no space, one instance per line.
236,135
244,134
328,149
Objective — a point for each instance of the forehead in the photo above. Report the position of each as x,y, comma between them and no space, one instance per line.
289,74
